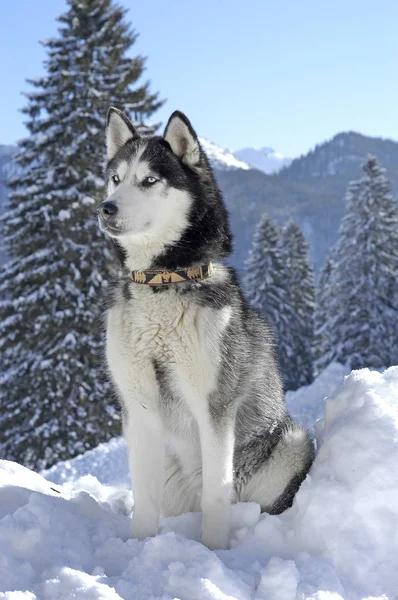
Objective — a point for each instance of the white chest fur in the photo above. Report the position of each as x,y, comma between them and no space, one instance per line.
170,329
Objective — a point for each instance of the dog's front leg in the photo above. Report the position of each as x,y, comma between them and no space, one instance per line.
143,431
217,445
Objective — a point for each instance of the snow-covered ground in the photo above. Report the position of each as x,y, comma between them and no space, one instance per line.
67,535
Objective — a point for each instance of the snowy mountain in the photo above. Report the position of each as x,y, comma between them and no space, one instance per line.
264,159
67,535
220,158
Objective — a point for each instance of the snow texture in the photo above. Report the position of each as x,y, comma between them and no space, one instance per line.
71,539
306,403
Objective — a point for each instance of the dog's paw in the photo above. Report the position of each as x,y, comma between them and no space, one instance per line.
214,535
215,526
143,528
215,540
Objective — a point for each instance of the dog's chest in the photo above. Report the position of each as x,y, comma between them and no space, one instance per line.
167,330
160,329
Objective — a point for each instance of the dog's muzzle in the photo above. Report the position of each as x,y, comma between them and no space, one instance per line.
107,210
107,213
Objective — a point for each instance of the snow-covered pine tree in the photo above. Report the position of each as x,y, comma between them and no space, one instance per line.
357,317
300,285
266,289
53,401
322,343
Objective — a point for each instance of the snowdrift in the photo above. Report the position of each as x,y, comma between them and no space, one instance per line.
69,537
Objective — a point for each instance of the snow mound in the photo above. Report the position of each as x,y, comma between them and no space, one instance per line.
306,404
338,541
107,462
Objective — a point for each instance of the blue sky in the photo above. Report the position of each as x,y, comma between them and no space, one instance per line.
286,74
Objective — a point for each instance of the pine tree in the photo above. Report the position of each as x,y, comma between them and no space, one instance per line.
53,401
322,342
267,291
357,319
300,284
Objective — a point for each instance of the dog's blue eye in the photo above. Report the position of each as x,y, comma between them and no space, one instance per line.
150,180
115,179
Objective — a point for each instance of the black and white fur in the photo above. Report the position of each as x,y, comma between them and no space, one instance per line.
193,364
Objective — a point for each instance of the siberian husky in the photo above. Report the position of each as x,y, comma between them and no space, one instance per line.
194,367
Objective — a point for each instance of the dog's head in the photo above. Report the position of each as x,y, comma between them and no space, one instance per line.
163,208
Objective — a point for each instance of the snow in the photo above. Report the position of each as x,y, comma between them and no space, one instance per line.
306,403
8,167
64,215
264,159
68,535
107,462
221,158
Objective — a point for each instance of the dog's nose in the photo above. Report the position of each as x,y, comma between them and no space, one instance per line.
108,209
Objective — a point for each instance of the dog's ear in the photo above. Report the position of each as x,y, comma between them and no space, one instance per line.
182,138
119,130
